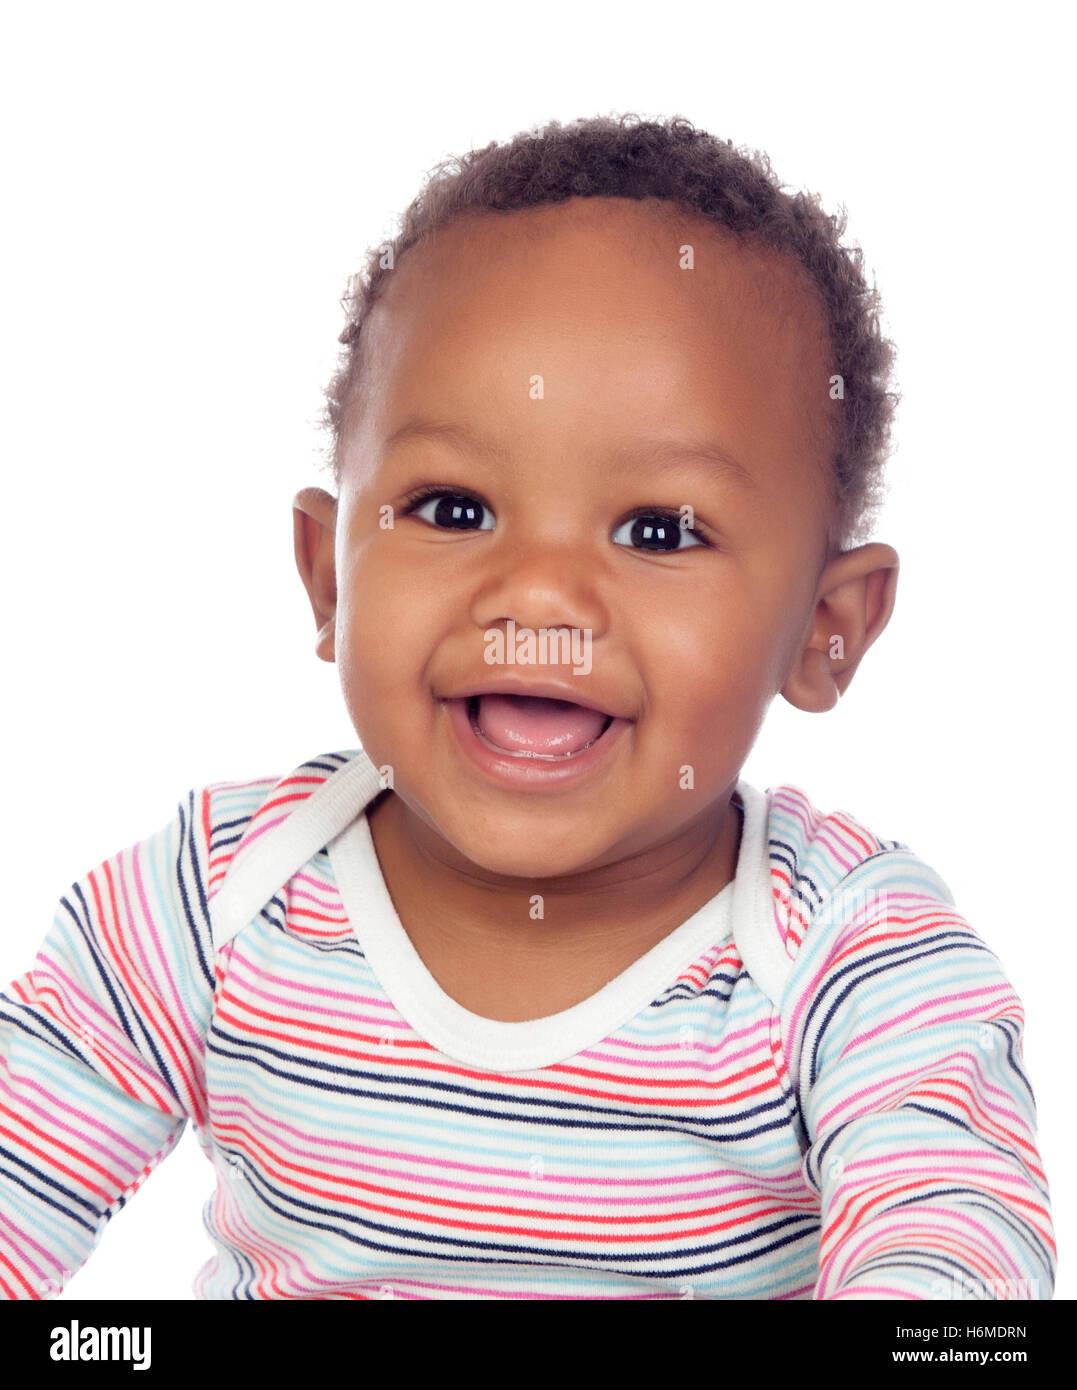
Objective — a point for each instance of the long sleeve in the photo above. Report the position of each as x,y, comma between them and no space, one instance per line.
102,1045
905,1045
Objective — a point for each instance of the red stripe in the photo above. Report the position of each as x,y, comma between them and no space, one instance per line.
533,1084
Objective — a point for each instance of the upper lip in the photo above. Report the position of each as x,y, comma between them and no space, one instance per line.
547,689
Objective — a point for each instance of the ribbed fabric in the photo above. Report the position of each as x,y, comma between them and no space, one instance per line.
868,1133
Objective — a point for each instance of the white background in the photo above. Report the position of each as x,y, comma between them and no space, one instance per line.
187,188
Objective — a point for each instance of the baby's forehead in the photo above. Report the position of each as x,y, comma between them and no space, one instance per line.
702,322
639,248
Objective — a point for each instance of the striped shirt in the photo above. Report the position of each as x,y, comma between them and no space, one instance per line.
812,1088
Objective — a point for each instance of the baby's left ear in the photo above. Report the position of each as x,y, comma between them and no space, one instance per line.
854,601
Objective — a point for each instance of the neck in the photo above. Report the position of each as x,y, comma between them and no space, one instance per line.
616,909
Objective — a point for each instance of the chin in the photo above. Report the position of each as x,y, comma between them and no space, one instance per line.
524,855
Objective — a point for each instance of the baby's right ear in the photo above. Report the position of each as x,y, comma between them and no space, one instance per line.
314,527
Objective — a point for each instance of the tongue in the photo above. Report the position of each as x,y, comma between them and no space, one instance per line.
527,724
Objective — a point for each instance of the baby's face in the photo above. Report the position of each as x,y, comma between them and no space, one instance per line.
576,346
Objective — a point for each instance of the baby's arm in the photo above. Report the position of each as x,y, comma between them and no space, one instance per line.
102,1051
904,1037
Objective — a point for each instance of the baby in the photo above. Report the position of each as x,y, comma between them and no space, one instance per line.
532,995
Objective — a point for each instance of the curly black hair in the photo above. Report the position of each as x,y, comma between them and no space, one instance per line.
736,189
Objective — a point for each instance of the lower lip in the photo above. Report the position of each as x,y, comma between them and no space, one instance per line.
530,772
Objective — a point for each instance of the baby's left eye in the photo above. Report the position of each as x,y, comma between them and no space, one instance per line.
657,530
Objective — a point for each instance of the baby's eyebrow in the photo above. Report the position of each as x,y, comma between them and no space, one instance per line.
652,454
658,454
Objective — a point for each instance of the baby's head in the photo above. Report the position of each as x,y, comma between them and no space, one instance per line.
609,381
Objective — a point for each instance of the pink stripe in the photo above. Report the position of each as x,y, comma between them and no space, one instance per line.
925,1007
526,1193
884,1225
259,830
21,1243
859,1290
51,1122
312,1009
178,1015
724,1062
896,1079
371,1001
892,922
632,1045
838,849
440,1161
125,1061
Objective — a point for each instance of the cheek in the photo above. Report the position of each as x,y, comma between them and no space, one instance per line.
391,623
708,661
704,633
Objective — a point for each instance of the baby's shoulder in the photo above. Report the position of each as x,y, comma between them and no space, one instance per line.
241,813
814,853
263,830
832,878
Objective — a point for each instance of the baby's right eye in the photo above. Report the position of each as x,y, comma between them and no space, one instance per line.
452,511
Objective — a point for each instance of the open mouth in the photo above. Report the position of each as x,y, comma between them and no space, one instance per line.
529,726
